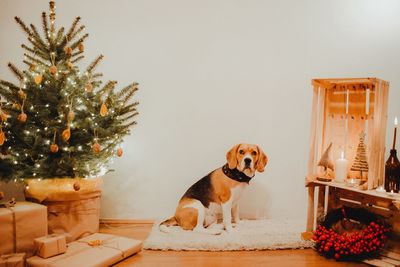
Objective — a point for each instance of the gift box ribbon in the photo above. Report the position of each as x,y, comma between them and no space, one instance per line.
41,246
94,244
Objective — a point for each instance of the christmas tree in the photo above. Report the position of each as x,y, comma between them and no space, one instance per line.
57,121
360,162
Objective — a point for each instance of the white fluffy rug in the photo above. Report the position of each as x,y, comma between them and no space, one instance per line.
251,235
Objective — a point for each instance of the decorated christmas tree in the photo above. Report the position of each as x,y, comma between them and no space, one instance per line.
58,121
360,162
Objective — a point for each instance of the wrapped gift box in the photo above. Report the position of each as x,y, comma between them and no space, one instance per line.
51,245
20,225
14,260
97,250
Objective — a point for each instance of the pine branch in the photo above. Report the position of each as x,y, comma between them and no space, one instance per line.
60,35
73,35
35,34
10,85
45,26
128,108
23,26
77,59
38,61
72,29
75,45
37,45
129,96
108,87
35,52
97,75
94,64
129,117
76,54
126,90
16,71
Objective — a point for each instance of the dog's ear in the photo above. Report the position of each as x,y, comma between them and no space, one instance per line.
261,161
231,157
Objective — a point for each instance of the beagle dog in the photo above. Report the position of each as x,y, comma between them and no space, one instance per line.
218,191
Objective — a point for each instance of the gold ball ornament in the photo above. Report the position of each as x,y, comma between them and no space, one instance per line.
53,70
81,47
68,50
103,110
89,87
119,152
53,148
77,186
70,65
38,79
16,106
66,134
96,148
22,117
71,115
4,116
32,67
21,94
2,137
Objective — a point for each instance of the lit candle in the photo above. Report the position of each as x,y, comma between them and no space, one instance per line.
341,168
395,133
381,189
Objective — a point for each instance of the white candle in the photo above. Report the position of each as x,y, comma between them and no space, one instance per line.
341,168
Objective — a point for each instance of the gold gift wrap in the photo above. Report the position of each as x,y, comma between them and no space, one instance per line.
96,250
51,245
12,260
75,213
20,225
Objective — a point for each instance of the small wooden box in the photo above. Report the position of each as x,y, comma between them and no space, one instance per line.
342,109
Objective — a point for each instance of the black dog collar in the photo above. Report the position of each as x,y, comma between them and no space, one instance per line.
236,175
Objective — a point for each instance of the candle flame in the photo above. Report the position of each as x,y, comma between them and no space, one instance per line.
395,121
342,155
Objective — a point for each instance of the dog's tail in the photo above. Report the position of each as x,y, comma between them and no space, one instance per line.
164,226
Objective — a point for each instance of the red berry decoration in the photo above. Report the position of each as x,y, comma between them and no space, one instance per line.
350,246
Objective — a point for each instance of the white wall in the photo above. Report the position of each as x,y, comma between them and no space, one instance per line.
216,73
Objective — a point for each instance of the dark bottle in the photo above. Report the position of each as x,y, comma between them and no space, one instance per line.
392,172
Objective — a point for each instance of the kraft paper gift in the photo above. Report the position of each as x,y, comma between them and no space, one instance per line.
97,250
73,213
20,225
51,245
12,260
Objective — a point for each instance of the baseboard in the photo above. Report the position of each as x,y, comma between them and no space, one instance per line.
125,221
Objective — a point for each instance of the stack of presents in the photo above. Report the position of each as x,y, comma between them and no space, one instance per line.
58,230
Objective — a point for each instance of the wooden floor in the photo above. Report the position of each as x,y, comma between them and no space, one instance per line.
291,258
